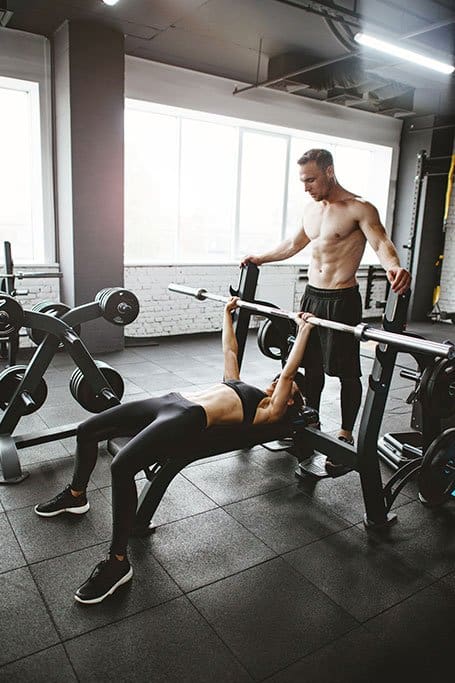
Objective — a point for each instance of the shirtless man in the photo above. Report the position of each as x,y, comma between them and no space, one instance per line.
338,223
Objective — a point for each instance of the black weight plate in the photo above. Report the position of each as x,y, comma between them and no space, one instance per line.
53,308
438,388
119,306
271,340
11,316
437,474
10,379
83,393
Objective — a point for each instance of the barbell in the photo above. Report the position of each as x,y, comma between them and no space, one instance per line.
363,332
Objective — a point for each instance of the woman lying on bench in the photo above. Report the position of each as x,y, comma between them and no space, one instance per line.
156,424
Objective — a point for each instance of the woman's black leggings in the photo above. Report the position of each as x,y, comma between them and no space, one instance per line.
156,424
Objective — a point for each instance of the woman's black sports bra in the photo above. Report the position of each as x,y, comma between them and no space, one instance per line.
250,397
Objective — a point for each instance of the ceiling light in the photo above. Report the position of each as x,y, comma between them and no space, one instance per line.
110,2
400,52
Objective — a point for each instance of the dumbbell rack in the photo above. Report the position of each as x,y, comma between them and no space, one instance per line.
58,331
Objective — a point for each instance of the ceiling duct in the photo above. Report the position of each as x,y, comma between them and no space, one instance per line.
5,16
350,82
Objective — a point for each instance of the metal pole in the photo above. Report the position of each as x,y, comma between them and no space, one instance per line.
362,331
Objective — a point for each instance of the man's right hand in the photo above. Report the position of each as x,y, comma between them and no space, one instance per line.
251,259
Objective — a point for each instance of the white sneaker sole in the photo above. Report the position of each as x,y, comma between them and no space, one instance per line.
111,590
74,511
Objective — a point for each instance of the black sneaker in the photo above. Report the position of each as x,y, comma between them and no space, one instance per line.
63,502
104,580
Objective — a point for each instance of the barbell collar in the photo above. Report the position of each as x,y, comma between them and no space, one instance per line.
362,331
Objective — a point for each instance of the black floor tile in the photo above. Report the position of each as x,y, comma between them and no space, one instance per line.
45,481
269,616
417,636
285,519
48,666
423,536
357,574
25,626
42,538
357,657
169,643
59,578
232,479
11,555
201,549
181,500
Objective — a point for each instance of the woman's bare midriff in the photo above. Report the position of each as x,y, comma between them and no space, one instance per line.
221,404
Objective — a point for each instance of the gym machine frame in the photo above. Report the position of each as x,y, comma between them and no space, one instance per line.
377,499
9,347
57,331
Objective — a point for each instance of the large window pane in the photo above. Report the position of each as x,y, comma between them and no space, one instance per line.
151,186
262,190
21,211
207,190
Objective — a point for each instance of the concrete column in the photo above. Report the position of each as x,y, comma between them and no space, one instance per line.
88,63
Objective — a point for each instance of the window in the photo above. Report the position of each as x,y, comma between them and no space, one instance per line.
21,207
209,189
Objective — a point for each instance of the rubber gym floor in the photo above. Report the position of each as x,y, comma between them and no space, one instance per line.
250,575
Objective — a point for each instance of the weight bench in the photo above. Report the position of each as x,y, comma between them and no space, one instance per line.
214,441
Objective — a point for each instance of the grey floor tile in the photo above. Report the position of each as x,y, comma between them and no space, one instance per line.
41,453
359,575
25,625
42,538
169,643
231,479
11,555
205,548
269,616
285,519
59,578
48,666
163,382
143,368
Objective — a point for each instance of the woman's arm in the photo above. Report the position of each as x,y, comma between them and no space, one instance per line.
230,346
283,389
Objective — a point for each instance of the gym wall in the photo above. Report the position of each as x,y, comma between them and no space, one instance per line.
447,301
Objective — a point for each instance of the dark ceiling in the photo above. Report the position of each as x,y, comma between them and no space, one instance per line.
258,41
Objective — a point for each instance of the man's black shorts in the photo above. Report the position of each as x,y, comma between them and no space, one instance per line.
337,352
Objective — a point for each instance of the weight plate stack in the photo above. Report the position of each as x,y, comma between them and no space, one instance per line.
11,316
118,306
437,474
10,379
83,393
53,308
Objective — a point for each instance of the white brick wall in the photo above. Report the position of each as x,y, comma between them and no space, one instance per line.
166,313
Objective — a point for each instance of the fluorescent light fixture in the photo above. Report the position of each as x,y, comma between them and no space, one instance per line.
110,2
401,53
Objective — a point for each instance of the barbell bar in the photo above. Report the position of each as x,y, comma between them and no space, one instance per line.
37,274
363,332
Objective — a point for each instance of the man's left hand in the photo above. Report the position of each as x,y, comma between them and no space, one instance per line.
399,278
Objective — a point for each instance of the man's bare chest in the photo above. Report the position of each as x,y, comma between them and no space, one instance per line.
330,225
